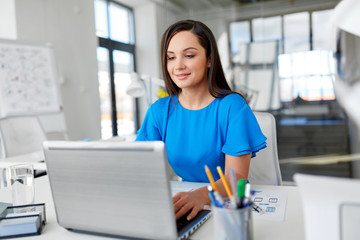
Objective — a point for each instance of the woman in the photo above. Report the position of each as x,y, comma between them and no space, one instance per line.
202,122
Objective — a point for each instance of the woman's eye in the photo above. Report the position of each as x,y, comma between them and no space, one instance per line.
170,58
189,56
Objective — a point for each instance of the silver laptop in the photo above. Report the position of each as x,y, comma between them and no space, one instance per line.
115,188
331,206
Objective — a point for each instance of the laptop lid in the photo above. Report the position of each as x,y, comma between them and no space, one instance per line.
330,205
114,188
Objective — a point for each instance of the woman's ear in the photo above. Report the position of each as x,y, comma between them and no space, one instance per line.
209,62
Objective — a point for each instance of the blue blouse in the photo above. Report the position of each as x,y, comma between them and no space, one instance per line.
195,138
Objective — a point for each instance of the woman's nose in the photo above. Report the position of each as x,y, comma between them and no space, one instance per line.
179,64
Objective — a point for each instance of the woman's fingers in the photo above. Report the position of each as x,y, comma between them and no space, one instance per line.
193,213
182,211
185,202
181,204
178,201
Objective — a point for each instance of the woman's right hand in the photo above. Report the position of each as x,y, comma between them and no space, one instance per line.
190,202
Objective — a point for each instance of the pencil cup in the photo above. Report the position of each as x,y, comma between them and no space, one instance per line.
233,223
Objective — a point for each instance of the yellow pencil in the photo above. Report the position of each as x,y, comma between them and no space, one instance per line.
227,189
211,179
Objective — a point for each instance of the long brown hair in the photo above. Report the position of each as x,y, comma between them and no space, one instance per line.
217,84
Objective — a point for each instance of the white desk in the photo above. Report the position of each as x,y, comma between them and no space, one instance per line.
291,228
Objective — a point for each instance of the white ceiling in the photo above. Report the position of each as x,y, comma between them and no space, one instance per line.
195,5
133,3
185,6
199,5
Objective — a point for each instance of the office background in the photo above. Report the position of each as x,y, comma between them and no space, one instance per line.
308,125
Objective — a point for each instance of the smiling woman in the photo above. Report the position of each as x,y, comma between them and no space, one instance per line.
187,65
202,122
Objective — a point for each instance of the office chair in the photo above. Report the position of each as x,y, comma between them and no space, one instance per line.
21,135
265,168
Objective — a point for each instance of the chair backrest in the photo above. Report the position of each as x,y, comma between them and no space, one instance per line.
21,135
264,168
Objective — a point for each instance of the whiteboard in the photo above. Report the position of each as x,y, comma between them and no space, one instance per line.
27,80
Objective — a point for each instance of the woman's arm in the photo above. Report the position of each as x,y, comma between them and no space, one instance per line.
194,201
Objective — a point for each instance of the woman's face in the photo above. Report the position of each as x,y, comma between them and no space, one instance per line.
187,63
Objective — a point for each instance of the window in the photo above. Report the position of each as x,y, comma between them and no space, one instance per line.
265,29
240,33
296,32
306,46
322,31
308,75
116,60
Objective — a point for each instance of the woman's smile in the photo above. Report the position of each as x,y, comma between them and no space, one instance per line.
182,76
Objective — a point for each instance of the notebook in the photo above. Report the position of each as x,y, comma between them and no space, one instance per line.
115,188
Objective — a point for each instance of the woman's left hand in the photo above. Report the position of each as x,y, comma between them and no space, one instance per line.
190,202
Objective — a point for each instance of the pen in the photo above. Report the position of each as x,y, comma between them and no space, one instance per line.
247,190
247,195
227,189
241,192
218,199
211,179
257,208
212,197
215,198
234,199
233,182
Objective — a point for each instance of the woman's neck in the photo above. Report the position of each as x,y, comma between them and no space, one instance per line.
195,99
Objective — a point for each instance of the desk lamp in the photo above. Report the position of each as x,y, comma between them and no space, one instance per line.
142,86
136,88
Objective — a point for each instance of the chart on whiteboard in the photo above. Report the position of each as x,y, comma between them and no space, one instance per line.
27,80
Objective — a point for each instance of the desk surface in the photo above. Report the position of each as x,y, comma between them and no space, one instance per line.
291,228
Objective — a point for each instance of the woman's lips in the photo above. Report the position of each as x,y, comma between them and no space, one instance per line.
182,76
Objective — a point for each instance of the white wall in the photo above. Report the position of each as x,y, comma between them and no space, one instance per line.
147,40
7,19
147,46
69,27
151,20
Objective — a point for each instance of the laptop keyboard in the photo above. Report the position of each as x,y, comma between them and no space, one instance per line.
183,225
181,222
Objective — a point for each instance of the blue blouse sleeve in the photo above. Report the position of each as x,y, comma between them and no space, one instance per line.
243,133
149,130
154,125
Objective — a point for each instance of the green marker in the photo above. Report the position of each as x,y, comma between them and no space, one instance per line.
241,192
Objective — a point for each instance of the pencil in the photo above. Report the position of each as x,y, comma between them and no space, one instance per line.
227,189
211,179
233,182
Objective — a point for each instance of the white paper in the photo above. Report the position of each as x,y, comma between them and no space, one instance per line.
273,204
